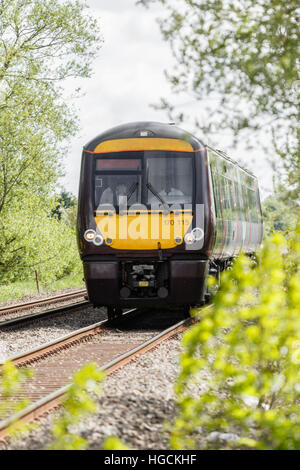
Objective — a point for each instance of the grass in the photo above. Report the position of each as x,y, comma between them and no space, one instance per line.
20,289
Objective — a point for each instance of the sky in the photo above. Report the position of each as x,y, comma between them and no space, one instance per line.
128,76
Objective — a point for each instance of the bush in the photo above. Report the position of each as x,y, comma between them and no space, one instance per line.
239,378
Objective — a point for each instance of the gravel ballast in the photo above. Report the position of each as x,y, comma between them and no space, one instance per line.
18,340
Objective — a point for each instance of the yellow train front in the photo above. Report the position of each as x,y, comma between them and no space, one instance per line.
146,217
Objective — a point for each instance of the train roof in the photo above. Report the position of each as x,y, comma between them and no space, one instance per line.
234,162
145,129
153,129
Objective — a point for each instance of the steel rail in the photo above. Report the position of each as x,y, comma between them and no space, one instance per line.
35,303
46,313
55,398
52,346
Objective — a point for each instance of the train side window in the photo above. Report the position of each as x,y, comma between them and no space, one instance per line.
233,203
252,204
216,194
238,200
244,215
227,198
244,197
223,196
258,205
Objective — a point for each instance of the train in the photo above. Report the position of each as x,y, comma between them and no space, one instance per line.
158,211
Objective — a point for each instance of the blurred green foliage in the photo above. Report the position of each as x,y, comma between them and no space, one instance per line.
240,365
11,381
79,403
278,214
113,443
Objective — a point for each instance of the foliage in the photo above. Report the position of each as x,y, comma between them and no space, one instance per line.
244,357
31,239
278,214
113,443
11,381
66,209
241,59
64,201
78,404
42,44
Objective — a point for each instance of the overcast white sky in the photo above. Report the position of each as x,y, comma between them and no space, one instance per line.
129,76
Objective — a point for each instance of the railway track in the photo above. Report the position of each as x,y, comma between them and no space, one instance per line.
11,320
111,348
46,301
31,317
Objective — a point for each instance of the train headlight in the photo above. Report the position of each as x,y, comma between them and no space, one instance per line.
198,233
194,236
189,238
89,235
98,240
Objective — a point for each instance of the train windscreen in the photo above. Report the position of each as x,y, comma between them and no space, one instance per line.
149,177
170,179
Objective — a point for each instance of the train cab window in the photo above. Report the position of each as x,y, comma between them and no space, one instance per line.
116,189
147,177
117,181
169,178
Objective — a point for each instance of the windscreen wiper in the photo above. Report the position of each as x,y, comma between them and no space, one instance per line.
156,194
131,190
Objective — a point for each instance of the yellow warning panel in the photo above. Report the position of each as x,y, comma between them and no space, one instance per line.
143,231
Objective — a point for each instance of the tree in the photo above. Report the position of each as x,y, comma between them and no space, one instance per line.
278,215
241,59
64,201
41,45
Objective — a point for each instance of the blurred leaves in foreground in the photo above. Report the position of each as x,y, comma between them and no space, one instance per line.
79,404
239,380
11,382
